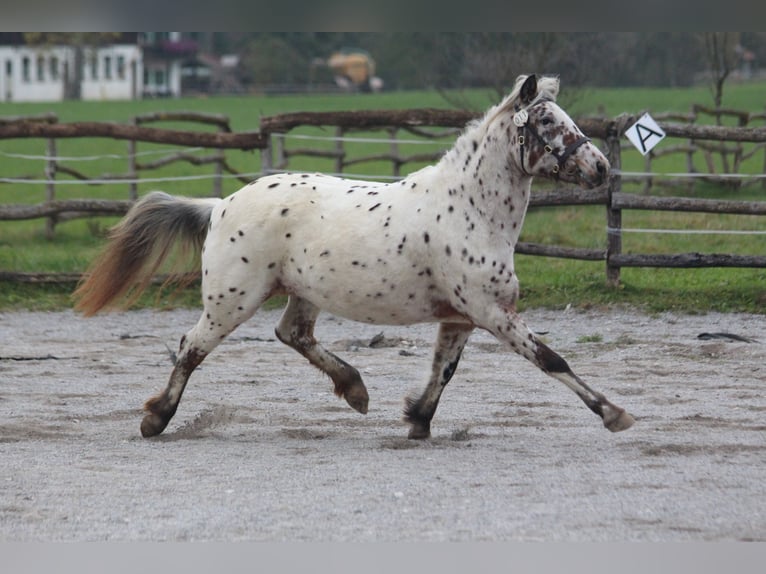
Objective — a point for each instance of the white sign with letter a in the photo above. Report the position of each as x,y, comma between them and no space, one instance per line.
645,134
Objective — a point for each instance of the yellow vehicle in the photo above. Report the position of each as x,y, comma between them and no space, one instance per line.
354,69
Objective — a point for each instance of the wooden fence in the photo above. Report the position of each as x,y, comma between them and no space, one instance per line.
718,156
423,123
56,211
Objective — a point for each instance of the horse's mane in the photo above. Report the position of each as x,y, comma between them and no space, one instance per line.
547,88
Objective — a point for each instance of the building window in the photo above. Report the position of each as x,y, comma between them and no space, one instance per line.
120,67
107,67
25,73
40,69
159,78
94,67
54,68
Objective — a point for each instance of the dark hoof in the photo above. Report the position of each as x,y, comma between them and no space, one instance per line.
152,425
357,398
419,432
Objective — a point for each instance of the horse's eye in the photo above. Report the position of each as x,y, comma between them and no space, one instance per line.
546,121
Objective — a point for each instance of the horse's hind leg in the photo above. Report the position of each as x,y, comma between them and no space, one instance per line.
450,342
507,326
296,329
161,408
219,318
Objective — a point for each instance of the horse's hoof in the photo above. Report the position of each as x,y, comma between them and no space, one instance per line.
618,420
152,425
357,398
419,432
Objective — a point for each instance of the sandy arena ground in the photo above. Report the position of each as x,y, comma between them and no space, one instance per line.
261,449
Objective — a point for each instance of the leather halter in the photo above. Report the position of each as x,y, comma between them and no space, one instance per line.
560,158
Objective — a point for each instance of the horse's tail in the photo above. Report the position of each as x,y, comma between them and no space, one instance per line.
138,246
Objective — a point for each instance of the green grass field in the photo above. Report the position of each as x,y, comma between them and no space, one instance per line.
544,281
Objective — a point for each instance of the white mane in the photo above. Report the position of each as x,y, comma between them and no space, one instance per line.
547,88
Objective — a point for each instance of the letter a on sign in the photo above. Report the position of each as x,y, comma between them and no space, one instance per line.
645,134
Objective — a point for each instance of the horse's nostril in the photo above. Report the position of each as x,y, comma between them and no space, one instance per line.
600,168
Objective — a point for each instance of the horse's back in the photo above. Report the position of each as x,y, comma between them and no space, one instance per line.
348,246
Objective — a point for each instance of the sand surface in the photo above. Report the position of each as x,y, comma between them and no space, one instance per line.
261,449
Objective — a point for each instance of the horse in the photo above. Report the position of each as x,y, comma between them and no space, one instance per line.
436,246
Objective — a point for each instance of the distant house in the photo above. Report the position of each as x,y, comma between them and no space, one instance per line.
166,56
136,65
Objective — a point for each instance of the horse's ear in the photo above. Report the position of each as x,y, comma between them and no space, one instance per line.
528,89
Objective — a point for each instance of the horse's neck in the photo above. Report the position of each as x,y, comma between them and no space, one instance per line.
486,178
486,158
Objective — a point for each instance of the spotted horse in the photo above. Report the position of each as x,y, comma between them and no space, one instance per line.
436,246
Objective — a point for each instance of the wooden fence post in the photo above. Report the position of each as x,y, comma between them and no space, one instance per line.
613,216
267,158
392,131
50,187
218,181
278,157
132,166
763,181
339,148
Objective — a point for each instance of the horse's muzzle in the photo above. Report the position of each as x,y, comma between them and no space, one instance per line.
593,173
602,172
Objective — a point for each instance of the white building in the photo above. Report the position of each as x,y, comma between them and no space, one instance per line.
162,53
41,74
29,75
112,73
151,66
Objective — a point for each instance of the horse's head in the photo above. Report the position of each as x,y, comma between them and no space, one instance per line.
548,142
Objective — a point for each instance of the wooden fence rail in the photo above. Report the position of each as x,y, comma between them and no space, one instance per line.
46,125
219,140
276,156
63,208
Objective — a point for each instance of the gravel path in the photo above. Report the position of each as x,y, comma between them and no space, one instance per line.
261,449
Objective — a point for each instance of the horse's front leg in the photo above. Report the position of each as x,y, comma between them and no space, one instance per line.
449,346
508,327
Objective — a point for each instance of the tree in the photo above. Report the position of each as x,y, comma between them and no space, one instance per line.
721,53
494,60
268,60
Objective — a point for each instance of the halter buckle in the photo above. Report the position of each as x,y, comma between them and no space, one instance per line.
548,148
555,169
521,139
